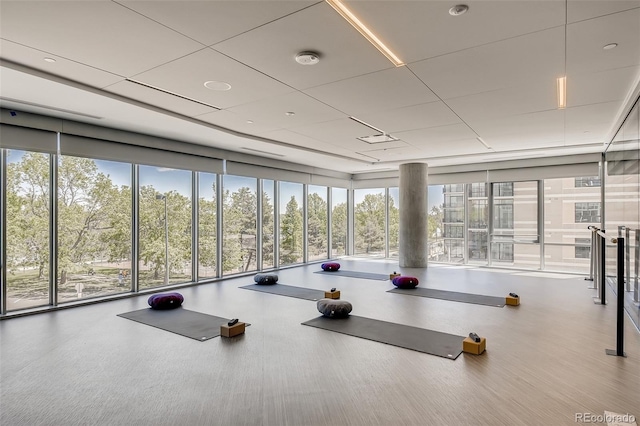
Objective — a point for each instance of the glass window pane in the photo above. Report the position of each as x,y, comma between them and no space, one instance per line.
317,222
291,235
28,233
239,224
268,231
165,226
369,219
207,225
435,199
94,228
394,222
338,222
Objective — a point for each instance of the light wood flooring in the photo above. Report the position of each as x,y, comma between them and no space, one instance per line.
545,359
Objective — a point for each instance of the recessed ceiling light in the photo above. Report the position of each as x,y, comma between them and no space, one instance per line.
249,121
289,113
49,60
220,86
458,10
610,46
308,58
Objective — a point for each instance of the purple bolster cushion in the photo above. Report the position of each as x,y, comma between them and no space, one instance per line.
165,300
331,266
405,282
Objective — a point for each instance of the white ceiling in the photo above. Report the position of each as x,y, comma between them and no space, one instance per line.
490,73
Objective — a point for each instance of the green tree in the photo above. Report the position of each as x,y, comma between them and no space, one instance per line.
267,230
207,231
394,225
339,229
370,221
28,214
291,233
316,225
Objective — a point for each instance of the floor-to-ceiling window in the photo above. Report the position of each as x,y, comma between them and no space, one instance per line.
515,240
239,224
570,206
477,222
28,231
291,223
164,226
317,219
394,222
453,223
369,219
435,225
338,222
207,225
94,228
268,221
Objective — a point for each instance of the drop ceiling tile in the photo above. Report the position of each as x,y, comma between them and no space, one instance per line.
236,122
534,97
422,116
552,120
580,10
65,68
413,153
417,30
213,21
100,34
338,132
597,119
273,110
271,48
293,138
585,42
159,99
437,135
603,86
186,76
378,91
494,66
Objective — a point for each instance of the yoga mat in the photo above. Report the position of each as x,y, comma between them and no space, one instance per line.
288,290
453,296
195,325
356,274
405,336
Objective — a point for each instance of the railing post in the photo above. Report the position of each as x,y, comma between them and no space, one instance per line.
602,273
627,259
592,261
619,351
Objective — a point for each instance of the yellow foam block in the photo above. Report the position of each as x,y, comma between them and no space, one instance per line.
332,294
231,331
471,347
392,276
513,301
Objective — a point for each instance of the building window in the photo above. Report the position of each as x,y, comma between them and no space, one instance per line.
477,190
588,212
587,182
583,248
503,214
502,252
453,231
504,189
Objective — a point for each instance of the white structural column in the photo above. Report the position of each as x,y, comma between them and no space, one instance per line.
413,215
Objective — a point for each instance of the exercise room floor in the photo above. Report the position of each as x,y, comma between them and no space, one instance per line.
545,359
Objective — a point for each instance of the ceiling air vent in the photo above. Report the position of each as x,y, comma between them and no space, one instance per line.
378,139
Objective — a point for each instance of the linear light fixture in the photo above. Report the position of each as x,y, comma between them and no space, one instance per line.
357,120
562,92
483,142
366,32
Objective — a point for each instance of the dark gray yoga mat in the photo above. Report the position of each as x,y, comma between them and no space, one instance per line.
288,290
405,336
356,274
195,325
453,296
